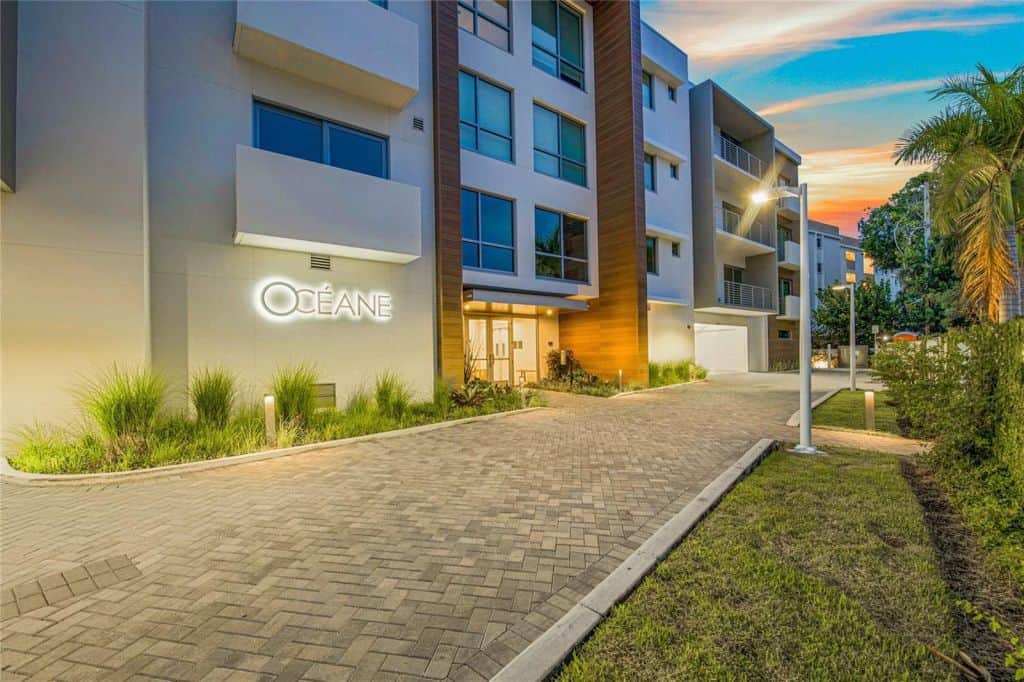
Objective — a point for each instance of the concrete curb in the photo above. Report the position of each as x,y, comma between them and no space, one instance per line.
547,652
658,388
9,474
794,419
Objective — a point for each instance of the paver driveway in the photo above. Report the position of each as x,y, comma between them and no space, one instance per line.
440,554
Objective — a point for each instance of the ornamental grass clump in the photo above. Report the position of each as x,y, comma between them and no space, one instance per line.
212,393
125,405
294,390
392,395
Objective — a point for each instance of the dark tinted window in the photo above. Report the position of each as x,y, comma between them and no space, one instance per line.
488,232
288,133
357,151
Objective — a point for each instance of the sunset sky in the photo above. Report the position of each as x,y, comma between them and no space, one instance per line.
841,81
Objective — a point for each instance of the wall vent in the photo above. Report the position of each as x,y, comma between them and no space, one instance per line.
319,262
417,123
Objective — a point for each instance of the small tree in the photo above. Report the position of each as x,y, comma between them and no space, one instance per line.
832,318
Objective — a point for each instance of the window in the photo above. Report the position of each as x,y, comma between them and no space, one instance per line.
304,137
851,278
559,147
817,242
675,249
487,232
647,90
819,268
673,171
380,3
785,335
487,19
649,170
672,93
485,117
560,242
733,274
652,256
785,234
851,257
558,40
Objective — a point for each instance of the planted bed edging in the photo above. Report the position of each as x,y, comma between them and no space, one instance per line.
9,474
546,653
658,388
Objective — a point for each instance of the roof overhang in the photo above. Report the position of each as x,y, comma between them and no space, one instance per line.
496,300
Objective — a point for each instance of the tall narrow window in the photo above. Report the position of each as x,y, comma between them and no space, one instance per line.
652,256
649,173
488,231
558,40
485,117
559,146
304,137
647,90
672,93
673,171
488,19
560,242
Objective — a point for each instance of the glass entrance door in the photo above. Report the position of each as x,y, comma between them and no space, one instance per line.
500,359
502,349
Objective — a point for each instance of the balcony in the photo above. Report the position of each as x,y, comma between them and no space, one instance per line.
295,205
740,158
754,229
355,47
789,255
789,308
789,207
747,296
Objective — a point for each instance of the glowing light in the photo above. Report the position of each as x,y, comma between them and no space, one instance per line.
281,300
760,196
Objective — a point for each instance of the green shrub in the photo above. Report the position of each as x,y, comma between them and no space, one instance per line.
294,390
966,390
442,397
360,402
212,393
48,450
392,395
665,374
125,405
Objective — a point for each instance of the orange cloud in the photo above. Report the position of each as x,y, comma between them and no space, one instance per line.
850,95
842,183
719,34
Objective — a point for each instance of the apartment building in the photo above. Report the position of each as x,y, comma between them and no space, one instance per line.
784,327
835,259
736,270
427,188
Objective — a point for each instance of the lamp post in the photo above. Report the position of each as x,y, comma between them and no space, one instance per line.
760,197
853,332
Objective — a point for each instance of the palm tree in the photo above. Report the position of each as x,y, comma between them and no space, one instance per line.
976,146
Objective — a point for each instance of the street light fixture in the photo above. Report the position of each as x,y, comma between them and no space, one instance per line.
853,331
759,197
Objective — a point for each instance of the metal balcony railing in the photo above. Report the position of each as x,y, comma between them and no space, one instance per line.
748,296
757,230
740,157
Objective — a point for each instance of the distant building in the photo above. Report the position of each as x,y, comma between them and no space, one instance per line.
835,259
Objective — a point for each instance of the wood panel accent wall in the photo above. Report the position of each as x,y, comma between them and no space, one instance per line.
612,335
447,182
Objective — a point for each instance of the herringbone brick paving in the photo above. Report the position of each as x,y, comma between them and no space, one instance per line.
434,555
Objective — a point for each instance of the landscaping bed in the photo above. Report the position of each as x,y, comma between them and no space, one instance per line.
845,410
567,375
126,425
774,584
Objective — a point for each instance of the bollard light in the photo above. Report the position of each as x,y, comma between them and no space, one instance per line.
620,380
270,420
869,410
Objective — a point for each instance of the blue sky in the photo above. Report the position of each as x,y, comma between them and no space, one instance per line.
841,81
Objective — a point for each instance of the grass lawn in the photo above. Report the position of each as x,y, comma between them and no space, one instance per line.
810,569
845,410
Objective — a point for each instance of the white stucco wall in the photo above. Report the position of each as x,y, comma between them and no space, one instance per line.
74,235
200,102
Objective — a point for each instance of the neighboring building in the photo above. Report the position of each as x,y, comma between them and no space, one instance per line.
1013,299
366,186
784,328
734,239
835,259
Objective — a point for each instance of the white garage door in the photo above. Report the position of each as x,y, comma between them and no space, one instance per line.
720,347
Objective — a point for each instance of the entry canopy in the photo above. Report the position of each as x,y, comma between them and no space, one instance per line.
496,300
